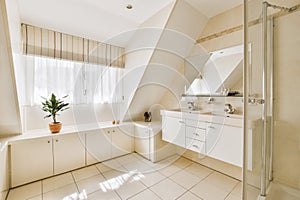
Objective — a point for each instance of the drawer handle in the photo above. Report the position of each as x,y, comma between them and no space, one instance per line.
56,140
181,122
196,134
211,127
48,141
113,131
108,131
196,146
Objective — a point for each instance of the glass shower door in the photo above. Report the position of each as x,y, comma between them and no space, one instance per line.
257,156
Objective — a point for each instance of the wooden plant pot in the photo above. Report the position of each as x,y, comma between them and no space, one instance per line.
55,127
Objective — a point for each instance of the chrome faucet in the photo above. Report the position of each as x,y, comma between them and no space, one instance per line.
192,107
228,108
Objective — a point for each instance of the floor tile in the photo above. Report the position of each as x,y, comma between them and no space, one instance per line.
152,178
4,194
169,170
26,191
145,195
233,197
127,159
56,182
103,168
113,164
209,192
185,179
198,170
100,195
221,181
61,192
252,192
182,162
137,165
133,177
119,181
85,173
130,189
189,196
237,190
167,189
113,173
39,197
90,185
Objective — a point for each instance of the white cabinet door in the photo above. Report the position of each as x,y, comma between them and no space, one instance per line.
121,141
68,152
213,135
173,130
31,160
98,146
142,141
229,145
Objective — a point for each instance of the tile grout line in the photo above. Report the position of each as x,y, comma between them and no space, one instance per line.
42,188
75,182
200,182
232,190
213,169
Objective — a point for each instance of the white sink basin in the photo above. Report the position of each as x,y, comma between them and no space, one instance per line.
206,112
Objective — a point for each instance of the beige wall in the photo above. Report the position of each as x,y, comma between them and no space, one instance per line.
287,98
10,116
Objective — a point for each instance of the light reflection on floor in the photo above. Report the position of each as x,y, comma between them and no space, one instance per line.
110,184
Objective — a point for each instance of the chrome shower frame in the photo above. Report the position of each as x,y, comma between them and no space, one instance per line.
267,86
268,118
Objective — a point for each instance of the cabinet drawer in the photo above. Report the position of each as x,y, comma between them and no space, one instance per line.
195,145
197,124
195,133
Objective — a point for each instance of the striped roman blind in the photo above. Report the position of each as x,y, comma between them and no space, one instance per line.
48,43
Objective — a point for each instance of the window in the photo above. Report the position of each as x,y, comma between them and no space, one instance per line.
84,83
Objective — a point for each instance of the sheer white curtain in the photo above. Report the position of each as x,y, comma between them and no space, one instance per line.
84,83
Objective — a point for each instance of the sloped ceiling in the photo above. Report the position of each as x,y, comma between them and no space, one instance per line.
95,19
104,20
210,8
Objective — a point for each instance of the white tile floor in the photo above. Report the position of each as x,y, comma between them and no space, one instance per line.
133,177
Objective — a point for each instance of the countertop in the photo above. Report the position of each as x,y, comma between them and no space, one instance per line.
39,133
218,118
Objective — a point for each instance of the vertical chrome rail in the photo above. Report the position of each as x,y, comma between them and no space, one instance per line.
245,104
264,97
271,97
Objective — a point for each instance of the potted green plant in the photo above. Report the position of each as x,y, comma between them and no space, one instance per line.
54,105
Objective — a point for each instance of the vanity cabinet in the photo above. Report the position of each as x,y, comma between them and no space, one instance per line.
98,146
195,132
107,143
38,158
174,130
142,141
31,160
121,140
68,152
219,140
225,143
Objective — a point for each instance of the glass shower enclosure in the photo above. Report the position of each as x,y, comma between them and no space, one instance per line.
271,86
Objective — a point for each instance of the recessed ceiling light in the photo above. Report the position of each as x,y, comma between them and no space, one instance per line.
129,6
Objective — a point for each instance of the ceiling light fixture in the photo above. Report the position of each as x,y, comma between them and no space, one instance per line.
129,6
